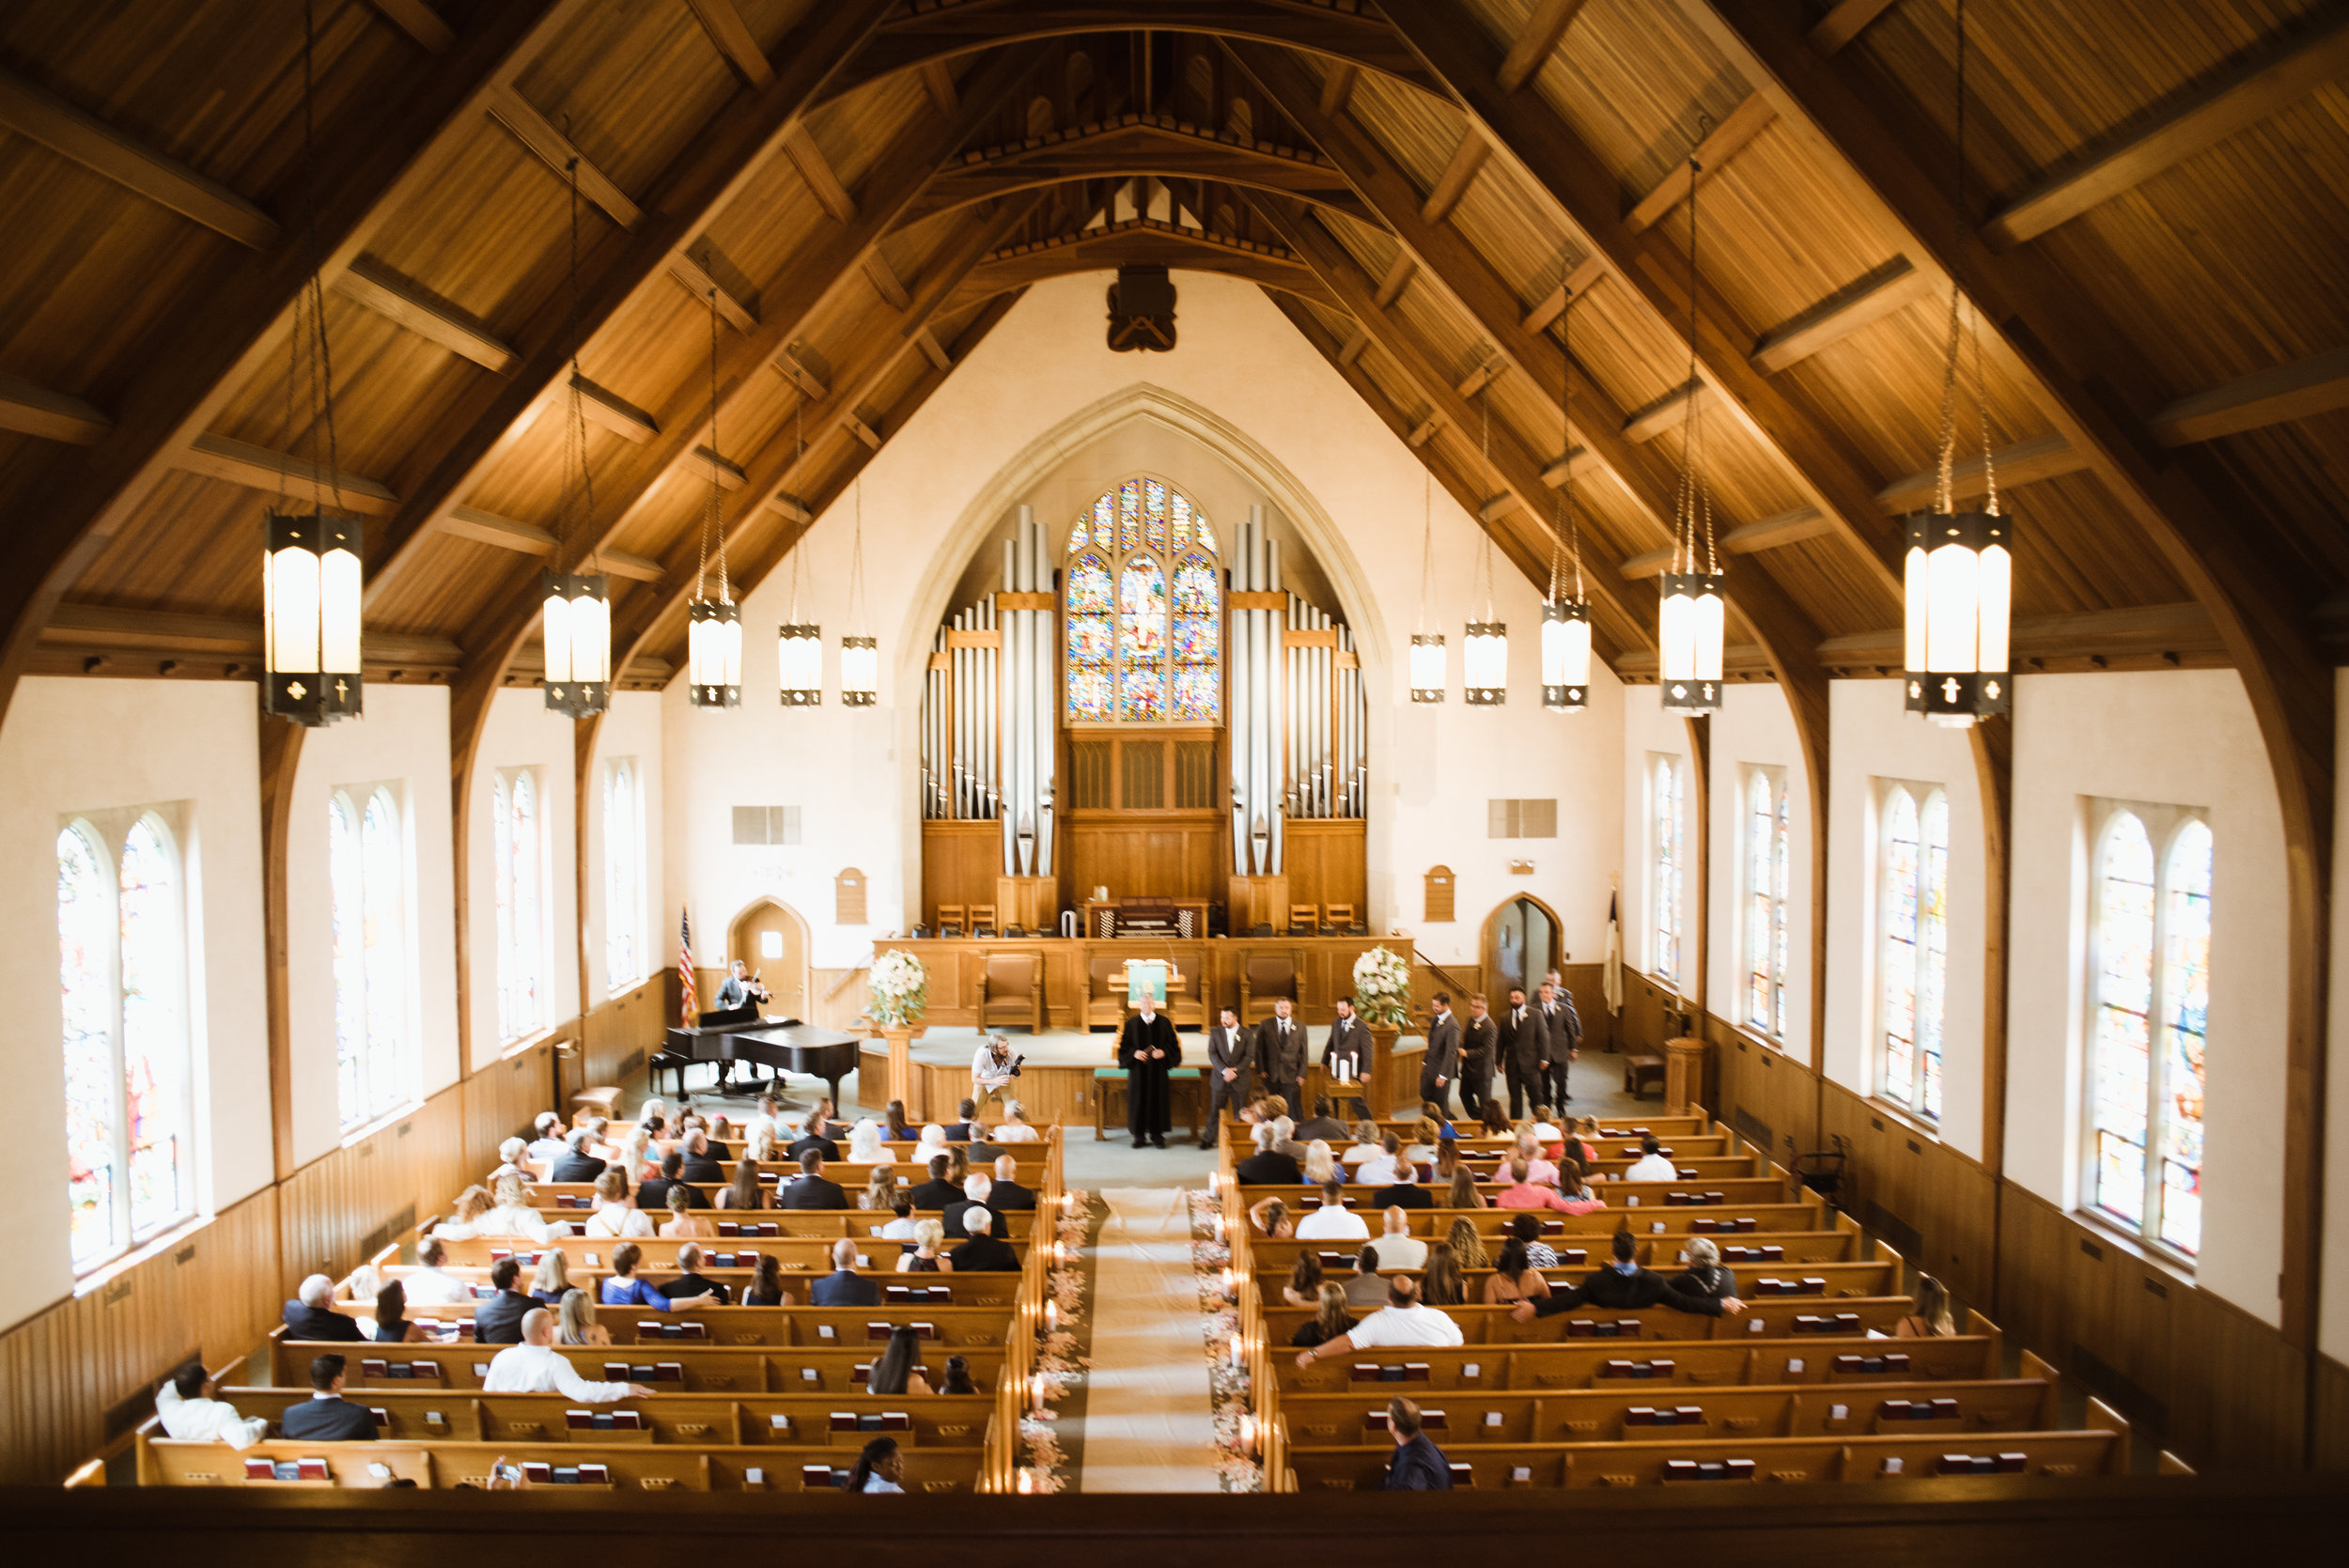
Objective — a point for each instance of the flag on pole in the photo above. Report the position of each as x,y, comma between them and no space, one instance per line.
1611,975
685,968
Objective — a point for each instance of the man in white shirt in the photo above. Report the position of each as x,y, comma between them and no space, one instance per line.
1652,1166
432,1285
1380,1169
1332,1221
547,1137
190,1414
1015,1128
1402,1322
535,1367
1397,1248
991,1071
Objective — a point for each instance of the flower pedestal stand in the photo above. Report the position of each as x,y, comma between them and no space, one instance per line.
903,1086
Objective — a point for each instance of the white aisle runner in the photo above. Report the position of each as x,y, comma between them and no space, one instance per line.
1150,1425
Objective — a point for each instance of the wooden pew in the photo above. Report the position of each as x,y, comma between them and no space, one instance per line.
1832,1280
767,1224
1664,1253
1695,1125
1739,1193
968,1289
626,1467
644,1328
1794,1317
1504,1467
424,1415
683,1367
1642,1363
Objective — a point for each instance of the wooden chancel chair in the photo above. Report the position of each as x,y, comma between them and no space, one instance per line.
1011,989
1264,980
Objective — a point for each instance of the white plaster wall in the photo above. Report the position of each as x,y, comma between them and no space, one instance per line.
520,732
1755,728
2180,738
2333,1325
631,728
1649,732
1268,421
401,741
78,745
1871,738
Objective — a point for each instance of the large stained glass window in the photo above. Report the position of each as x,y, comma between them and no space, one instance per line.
2149,1021
122,973
367,872
1143,602
521,937
1766,904
1668,868
1912,922
623,877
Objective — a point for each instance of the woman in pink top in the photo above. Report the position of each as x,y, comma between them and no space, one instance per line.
1523,1194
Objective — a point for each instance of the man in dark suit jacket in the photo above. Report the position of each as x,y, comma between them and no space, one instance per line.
1231,1067
812,1140
962,1132
938,1191
575,1164
1442,1063
977,1189
985,1254
1268,1166
499,1320
1348,1045
1565,1037
1324,1125
1405,1193
844,1286
811,1191
1524,1052
309,1316
1008,1195
1281,1053
327,1414
692,1282
1480,1041
653,1196
700,1165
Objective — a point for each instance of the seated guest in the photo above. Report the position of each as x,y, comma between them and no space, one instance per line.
1514,1280
1523,1194
931,1144
575,1319
621,1288
1538,1254
766,1286
865,1146
984,1254
963,1131
551,1279
691,1283
1379,1169
894,1368
532,1365
546,1141
1572,1187
1271,1217
615,1214
575,1164
1708,1276
1329,1320
763,1133
1417,1465
882,1467
1268,1166
1930,1320
512,1156
700,1161
744,1191
715,1128
391,1325
1332,1221
1441,1283
1009,1196
1544,1125
977,1150
507,1218
499,1320
938,1191
1425,1136
1463,1192
976,1189
1322,1124
311,1315
902,1227
682,1220
1398,1249
1540,1172
1496,1120
1305,1279
1366,1289
928,1236
844,1286
1652,1165
1367,1144
192,1415
893,1120
1404,1191
1403,1322
638,1157
1015,1128
1284,1139
958,1378
654,1195
1321,1163
1623,1286
813,1141
809,1189
431,1285
327,1414
880,1189
1468,1247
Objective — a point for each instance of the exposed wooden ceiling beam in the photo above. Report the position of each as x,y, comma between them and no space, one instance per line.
371,283
41,115
1787,528
1133,144
2310,387
1397,278
602,405
1869,297
1535,42
1459,174
1580,461
816,169
469,522
1140,242
701,461
938,83
2138,631
258,468
1578,283
536,132
1337,86
1845,20
1667,413
619,563
724,22
856,427
701,268
1351,350
1711,155
932,350
36,410
2240,98
883,278
2039,457
420,22
164,631
804,368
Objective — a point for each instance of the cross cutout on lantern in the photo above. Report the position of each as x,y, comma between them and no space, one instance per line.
297,691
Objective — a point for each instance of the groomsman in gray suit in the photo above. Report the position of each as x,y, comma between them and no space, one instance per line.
1231,1065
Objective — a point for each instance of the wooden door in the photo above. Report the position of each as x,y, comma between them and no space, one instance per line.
771,939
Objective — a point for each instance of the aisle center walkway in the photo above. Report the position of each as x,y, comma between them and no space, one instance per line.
1149,1424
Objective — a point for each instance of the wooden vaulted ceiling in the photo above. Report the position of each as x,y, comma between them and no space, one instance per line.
2157,218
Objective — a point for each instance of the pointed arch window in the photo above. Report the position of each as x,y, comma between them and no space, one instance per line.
375,1068
1667,868
1912,936
129,1073
521,933
1766,902
1143,605
623,877
2149,1021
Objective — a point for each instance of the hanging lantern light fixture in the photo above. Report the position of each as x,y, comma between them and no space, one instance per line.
311,561
1428,659
575,615
1692,621
859,656
1567,622
713,645
800,644
1485,660
1958,576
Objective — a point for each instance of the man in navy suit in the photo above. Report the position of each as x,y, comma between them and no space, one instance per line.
327,1413
811,1191
499,1320
311,1315
844,1286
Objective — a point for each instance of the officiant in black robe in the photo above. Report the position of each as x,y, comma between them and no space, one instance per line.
1147,1048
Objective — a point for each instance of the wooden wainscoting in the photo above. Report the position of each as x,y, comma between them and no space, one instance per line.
1770,1099
620,1036
960,862
1165,854
1326,862
339,1209
1651,1012
502,1099
1928,1200
2332,1415
837,998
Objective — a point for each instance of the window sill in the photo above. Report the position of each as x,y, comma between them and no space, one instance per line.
2148,1254
527,1041
106,1273
367,1129
1746,1036
1911,1121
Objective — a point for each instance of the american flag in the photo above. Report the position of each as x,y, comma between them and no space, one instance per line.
685,967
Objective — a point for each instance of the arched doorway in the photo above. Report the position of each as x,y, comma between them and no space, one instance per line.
771,938
1522,942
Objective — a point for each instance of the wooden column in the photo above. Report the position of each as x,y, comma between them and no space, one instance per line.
1684,1074
1382,1073
903,1086
1693,985
281,756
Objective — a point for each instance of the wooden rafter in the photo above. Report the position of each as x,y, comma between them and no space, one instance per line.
2296,391
258,468
532,128
1711,155
1869,297
371,283
1140,240
1535,42
36,410
602,405
817,170
1845,20
701,270
1134,145
41,115
722,20
2016,463
1459,173
419,21
1785,529
469,522
1578,283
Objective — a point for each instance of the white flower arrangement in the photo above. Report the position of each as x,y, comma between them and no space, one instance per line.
1382,988
899,990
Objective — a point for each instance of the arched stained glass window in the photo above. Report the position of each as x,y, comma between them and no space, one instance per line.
522,953
2186,1015
367,872
1766,904
346,877
1143,629
85,940
623,877
1668,870
2124,1015
1933,931
1897,913
1912,922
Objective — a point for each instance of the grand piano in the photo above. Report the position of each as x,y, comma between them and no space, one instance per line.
739,1034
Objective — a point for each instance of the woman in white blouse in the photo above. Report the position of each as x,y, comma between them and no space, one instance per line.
1320,1164
508,1217
1015,1128
865,1146
640,1159
616,1213
1367,1145
932,1143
